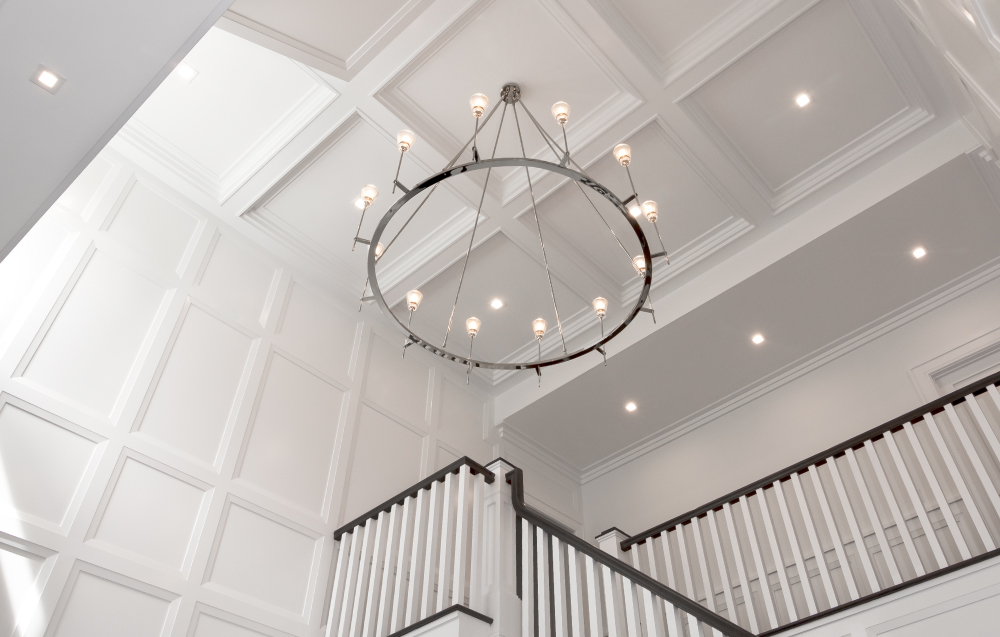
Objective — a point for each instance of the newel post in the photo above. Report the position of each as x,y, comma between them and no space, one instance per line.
500,555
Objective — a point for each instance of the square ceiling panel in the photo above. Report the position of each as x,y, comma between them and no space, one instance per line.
529,42
693,206
201,127
861,98
498,269
341,33
315,207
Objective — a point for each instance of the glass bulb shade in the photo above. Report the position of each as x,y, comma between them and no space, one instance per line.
405,139
368,193
479,102
640,264
473,324
623,153
601,306
560,110
413,299
649,209
379,249
634,208
538,326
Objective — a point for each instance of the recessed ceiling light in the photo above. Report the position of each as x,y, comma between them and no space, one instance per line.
969,16
629,406
47,79
919,252
186,72
802,99
496,304
757,338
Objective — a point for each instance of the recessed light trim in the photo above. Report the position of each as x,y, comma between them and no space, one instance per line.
630,406
757,338
47,79
803,99
186,72
496,304
919,252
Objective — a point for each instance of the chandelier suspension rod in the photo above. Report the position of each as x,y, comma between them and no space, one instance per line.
475,225
538,225
450,164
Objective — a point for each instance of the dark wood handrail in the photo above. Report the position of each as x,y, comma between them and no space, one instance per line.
426,483
728,628
933,407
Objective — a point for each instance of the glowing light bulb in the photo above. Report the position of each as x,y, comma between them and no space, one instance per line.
633,208
640,265
649,209
538,326
803,100
405,139
473,324
560,110
919,252
479,102
413,298
496,304
757,338
630,406
379,249
368,194
623,153
601,306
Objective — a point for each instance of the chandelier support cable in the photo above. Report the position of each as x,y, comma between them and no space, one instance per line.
395,179
553,144
541,241
475,225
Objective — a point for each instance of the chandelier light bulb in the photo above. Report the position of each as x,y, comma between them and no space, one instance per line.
368,194
623,153
560,110
379,249
413,299
649,209
479,102
640,265
538,326
405,139
601,306
634,208
473,324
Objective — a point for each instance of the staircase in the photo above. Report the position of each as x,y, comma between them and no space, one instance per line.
914,499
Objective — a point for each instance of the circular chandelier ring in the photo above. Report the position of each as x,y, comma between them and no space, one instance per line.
504,163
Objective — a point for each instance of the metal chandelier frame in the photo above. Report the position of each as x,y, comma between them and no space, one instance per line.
510,96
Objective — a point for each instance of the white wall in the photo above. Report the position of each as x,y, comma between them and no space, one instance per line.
184,421
855,392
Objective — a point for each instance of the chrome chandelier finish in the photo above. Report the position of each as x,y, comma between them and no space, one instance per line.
630,209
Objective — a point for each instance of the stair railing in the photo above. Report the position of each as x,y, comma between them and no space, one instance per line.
912,499
563,579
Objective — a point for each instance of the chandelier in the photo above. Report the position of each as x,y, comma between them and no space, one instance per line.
563,165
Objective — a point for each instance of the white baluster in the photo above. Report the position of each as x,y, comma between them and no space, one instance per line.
779,561
918,505
527,579
818,555
614,612
800,564
576,610
446,552
364,572
974,457
984,425
890,559
852,523
543,599
375,579
351,581
402,563
938,493
420,523
460,567
959,479
897,516
831,527
433,544
654,544
688,580
559,587
593,597
762,579
740,569
702,556
720,558
389,574
633,620
339,585
477,558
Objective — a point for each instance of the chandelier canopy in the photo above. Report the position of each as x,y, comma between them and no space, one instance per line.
564,166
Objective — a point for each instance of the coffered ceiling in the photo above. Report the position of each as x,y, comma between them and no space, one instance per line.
296,105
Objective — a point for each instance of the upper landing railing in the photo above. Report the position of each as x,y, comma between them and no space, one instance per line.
907,501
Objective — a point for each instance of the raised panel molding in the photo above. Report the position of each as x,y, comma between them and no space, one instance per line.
917,112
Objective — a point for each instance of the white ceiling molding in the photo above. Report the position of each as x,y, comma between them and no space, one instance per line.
613,108
221,186
916,112
957,367
339,67
687,54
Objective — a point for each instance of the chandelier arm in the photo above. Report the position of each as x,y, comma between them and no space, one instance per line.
538,225
657,228
398,166
475,225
